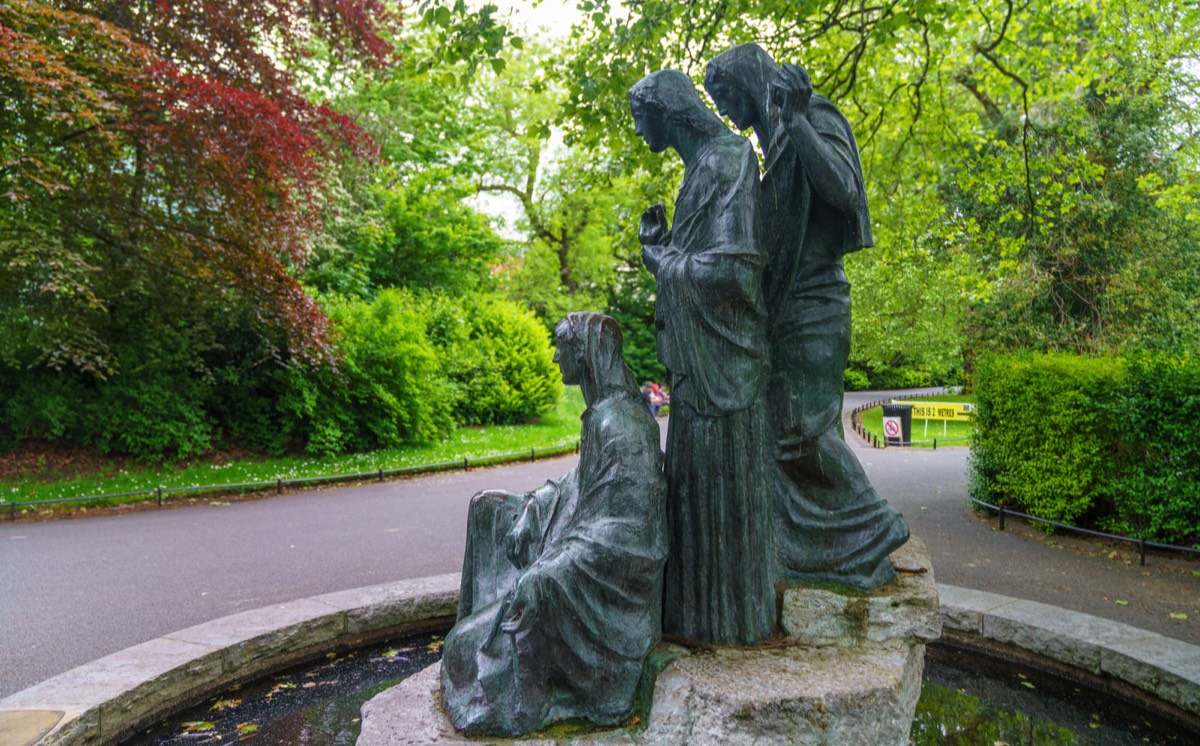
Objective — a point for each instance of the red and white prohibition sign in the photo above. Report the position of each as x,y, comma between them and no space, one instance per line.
891,427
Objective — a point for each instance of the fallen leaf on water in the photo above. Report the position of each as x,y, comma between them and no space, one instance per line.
245,730
224,704
198,726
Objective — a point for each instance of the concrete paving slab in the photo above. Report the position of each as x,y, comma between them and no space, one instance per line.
25,728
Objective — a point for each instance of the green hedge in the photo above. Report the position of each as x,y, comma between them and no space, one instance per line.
1156,488
1098,442
409,368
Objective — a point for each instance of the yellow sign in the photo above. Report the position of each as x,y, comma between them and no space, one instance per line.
934,410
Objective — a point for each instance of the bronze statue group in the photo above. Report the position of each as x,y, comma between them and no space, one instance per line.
565,589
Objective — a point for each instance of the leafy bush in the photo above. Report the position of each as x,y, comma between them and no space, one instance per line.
1155,488
1043,433
152,417
855,380
386,388
895,377
45,409
150,414
497,356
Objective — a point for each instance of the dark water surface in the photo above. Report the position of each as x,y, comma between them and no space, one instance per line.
967,700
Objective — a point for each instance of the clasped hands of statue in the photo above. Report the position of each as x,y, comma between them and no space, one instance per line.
521,603
790,94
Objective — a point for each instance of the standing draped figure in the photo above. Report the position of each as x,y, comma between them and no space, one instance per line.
831,524
561,594
711,326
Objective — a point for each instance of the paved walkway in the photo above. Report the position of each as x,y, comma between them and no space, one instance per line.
72,591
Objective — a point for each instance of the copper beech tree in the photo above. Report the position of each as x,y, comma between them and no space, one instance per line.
157,156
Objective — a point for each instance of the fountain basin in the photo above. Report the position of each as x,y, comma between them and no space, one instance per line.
134,688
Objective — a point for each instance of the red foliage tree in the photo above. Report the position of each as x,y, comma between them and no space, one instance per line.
147,144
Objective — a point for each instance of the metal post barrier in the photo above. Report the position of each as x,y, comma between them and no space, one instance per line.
381,475
12,508
466,464
1142,552
935,444
278,485
160,496
1001,517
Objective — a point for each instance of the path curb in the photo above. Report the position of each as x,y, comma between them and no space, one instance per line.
109,699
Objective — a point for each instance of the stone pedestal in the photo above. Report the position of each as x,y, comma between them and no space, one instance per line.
846,670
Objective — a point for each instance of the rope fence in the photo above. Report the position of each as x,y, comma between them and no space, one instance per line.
279,483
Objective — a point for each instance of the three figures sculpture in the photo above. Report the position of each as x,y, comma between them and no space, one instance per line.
565,589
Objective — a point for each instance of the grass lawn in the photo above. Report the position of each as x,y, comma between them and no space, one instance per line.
956,433
558,429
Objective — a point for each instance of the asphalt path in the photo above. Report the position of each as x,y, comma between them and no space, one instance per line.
72,591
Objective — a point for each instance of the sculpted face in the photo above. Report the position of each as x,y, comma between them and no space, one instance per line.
648,124
567,355
731,102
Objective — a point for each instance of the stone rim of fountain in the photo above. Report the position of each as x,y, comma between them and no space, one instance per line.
109,699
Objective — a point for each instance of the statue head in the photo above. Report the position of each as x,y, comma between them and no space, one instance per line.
738,81
590,351
667,108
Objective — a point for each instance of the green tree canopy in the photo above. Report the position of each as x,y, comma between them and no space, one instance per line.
1018,155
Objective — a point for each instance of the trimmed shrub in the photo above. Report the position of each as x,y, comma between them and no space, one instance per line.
497,356
386,388
1155,488
1043,430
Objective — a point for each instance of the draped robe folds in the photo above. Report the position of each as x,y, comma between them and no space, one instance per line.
710,319
594,544
831,524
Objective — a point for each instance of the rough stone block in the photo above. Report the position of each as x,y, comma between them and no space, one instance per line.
789,696
732,696
906,609
411,713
